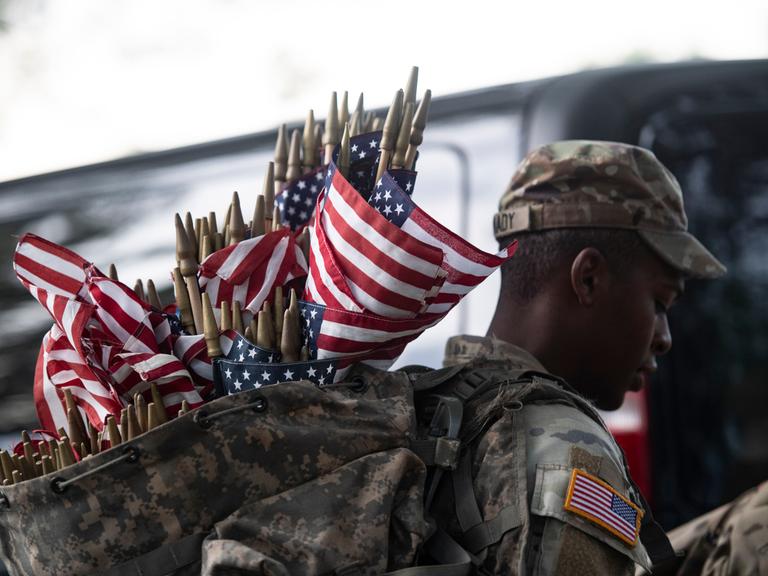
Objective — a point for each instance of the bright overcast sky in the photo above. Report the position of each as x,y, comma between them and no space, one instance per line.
89,80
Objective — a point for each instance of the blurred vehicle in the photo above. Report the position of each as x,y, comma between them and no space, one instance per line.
695,439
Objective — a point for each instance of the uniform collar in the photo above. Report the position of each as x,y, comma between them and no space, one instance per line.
463,348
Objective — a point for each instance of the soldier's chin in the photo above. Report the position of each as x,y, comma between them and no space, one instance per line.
639,381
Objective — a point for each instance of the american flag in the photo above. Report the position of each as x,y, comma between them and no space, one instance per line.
351,336
247,367
297,200
105,345
382,269
465,265
249,271
595,500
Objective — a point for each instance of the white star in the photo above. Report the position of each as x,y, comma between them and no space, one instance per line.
308,200
372,144
313,313
228,373
330,368
362,154
377,197
246,375
303,215
321,380
387,194
239,343
252,352
354,148
408,186
319,175
378,184
238,384
311,372
296,197
291,210
387,210
271,359
256,384
399,209
311,333
265,376
301,185
241,358
288,375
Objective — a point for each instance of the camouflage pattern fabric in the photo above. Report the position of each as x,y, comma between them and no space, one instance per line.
732,539
253,472
580,183
521,467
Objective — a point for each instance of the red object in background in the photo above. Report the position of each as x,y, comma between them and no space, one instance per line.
629,425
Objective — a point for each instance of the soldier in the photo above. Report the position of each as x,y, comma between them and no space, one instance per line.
603,254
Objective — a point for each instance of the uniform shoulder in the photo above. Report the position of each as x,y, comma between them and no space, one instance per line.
576,474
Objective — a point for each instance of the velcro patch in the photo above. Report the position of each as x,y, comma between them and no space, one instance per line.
598,502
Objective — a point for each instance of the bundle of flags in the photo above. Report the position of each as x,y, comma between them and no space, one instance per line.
378,272
381,270
105,345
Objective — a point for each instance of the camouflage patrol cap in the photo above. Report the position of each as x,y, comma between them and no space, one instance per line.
590,184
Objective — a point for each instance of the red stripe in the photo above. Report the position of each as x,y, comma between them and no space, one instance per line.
375,220
381,259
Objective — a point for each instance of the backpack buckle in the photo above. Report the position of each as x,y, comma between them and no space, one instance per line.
446,425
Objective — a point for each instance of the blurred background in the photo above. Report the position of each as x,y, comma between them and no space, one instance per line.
114,115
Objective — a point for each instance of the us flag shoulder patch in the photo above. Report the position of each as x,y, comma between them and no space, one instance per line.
598,502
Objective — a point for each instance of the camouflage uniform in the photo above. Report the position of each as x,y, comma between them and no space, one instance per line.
524,461
525,458
733,539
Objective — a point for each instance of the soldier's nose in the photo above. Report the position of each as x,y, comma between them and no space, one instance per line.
662,338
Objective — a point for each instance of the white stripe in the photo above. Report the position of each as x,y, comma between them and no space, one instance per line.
92,401
68,323
358,334
241,251
201,368
440,308
211,287
52,399
452,257
459,289
375,305
311,289
598,492
49,260
176,397
369,268
130,343
374,237
273,266
344,301
42,284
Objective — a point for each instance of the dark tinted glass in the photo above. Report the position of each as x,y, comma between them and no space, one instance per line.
708,406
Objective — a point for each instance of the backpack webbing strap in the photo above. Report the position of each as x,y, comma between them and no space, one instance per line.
467,510
653,537
163,560
454,560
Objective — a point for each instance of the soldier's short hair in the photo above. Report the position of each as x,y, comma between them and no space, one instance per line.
540,254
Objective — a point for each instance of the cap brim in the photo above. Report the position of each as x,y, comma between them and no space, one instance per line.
683,252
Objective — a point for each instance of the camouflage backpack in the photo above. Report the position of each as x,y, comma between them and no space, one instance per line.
285,479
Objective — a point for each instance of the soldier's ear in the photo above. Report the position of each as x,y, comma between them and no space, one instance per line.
589,276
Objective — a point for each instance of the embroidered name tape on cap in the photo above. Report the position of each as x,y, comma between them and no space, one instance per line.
598,502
